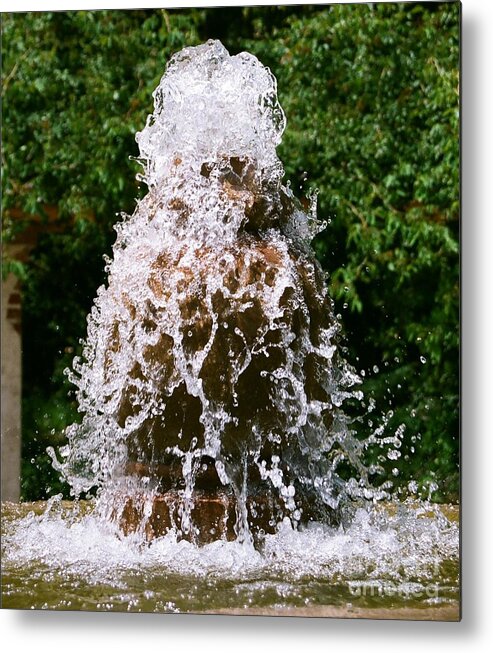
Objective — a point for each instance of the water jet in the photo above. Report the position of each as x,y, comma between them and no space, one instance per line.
211,373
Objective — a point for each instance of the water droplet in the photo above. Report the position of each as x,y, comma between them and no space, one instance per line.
182,263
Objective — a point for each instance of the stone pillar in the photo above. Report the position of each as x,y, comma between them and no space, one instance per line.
11,352
11,336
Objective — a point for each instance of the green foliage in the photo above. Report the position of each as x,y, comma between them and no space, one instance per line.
77,86
371,97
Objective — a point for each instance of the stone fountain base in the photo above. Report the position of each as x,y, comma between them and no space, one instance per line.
212,516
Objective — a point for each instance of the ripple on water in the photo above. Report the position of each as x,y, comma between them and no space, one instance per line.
394,556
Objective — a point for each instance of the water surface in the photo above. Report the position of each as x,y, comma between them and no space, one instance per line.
392,561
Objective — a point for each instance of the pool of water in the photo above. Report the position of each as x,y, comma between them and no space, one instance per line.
392,561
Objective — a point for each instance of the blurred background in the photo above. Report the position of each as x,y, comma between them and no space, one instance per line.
371,95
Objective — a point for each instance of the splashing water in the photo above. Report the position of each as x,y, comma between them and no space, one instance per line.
400,560
211,361
211,380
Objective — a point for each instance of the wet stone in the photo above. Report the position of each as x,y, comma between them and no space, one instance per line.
211,372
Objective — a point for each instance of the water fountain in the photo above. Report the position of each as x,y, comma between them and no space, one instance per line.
211,386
